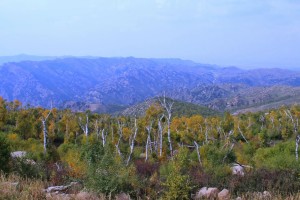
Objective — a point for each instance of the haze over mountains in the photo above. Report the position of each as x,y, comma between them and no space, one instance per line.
105,84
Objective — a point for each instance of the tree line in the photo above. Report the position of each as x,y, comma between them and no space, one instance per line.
157,151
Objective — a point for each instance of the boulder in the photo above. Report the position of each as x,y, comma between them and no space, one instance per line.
18,154
224,195
238,170
267,195
208,193
212,192
74,188
201,193
60,188
122,196
59,196
239,198
86,196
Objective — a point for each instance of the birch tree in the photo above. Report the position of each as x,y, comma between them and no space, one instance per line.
45,132
168,109
148,143
84,125
160,134
132,139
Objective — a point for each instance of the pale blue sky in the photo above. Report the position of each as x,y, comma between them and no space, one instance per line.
245,33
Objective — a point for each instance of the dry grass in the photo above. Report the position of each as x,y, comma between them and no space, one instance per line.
14,187
255,196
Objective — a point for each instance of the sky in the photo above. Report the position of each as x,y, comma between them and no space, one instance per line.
243,33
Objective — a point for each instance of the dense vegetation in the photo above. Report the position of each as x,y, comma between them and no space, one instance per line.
156,155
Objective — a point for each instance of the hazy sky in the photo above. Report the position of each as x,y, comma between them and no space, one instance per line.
249,33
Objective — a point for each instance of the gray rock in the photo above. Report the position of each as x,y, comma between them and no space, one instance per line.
224,195
122,196
212,192
18,154
267,195
201,193
238,170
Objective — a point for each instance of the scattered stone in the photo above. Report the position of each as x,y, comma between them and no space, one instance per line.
122,196
74,188
238,170
224,195
86,196
201,193
209,193
212,193
57,189
267,195
239,198
54,196
18,154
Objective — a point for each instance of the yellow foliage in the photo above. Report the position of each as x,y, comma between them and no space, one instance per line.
78,167
13,137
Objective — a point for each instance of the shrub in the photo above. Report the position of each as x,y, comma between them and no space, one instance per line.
4,154
174,177
106,173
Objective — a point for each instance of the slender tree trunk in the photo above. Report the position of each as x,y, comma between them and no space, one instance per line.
297,146
148,143
240,131
45,132
103,135
120,131
169,138
198,153
168,108
85,128
132,141
160,130
147,146
45,136
206,132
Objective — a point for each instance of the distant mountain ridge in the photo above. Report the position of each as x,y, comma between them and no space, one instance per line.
127,81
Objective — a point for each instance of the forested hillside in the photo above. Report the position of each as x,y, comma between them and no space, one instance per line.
155,155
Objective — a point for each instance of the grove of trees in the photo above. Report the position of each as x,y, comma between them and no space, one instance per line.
157,155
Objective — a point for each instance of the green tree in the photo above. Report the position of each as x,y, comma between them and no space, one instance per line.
4,154
176,182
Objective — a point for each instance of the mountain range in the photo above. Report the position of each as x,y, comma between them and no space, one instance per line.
113,84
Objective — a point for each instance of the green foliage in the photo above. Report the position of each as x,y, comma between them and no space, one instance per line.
4,154
264,140
107,174
280,156
175,179
26,167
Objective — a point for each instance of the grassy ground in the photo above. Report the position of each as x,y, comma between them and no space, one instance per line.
14,187
28,189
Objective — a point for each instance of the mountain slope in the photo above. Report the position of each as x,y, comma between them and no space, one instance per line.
179,108
104,82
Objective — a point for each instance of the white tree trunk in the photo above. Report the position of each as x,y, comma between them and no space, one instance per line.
85,127
45,132
148,143
198,153
240,131
120,131
103,135
132,141
168,108
160,132
297,146
45,136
